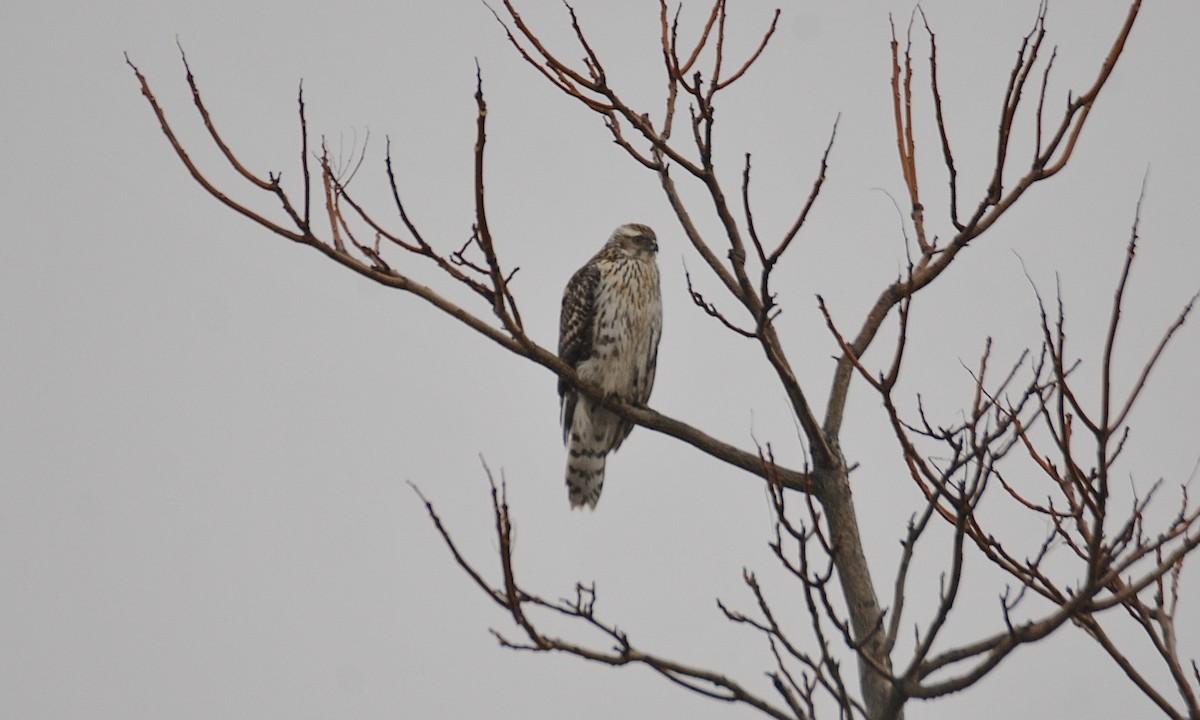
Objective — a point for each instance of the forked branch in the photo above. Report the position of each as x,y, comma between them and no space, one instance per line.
521,605
489,279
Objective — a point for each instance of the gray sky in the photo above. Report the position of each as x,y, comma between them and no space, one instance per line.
206,431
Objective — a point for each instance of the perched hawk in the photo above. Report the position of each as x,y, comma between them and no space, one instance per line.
609,330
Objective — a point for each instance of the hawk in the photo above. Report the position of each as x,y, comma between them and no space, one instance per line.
609,330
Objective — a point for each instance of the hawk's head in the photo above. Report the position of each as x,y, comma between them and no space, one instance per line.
635,240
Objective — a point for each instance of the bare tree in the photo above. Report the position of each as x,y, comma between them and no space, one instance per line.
1026,431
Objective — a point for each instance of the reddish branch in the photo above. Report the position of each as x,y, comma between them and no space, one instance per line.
995,200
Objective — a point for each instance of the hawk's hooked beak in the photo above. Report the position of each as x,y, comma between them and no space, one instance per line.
653,246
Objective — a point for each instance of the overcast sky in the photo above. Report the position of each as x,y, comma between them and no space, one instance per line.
206,431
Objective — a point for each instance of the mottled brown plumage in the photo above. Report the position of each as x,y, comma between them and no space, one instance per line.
609,330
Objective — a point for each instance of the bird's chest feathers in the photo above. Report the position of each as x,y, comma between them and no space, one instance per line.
626,326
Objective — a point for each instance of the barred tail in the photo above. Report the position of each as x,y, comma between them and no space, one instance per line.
585,473
590,433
